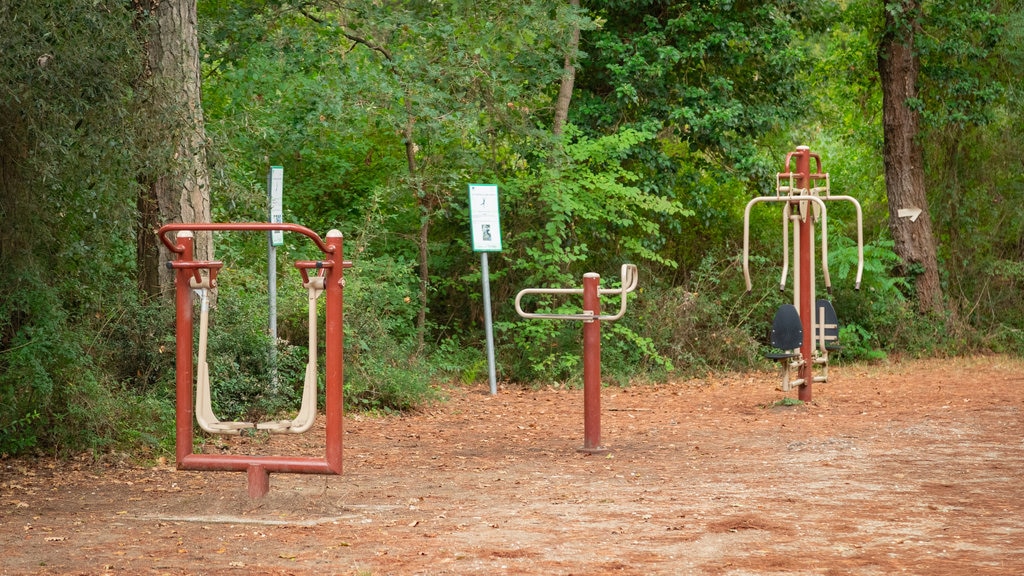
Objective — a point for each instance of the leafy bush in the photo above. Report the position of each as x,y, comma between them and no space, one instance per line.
693,331
382,369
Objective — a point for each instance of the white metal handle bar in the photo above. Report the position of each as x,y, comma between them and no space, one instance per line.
860,235
629,283
791,200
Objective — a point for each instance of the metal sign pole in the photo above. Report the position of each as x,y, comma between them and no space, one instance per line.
491,377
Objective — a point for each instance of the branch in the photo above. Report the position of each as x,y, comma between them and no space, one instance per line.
304,9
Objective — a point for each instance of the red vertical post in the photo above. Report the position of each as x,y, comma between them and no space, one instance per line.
259,481
803,171
334,344
183,351
591,365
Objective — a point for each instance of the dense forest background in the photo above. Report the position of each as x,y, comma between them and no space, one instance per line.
617,131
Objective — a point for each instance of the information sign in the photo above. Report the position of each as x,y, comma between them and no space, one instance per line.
276,185
483,217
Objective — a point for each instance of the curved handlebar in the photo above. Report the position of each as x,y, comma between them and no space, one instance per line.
860,235
238,226
787,199
630,278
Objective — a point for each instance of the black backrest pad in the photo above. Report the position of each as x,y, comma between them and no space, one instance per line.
831,320
787,333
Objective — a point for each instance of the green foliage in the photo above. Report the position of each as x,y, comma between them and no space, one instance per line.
960,61
18,435
786,402
68,160
382,371
859,343
695,327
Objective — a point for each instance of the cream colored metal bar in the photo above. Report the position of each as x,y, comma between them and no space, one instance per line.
630,279
787,369
307,411
207,420
860,235
785,247
788,199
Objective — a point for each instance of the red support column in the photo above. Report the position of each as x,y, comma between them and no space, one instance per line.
183,352
803,171
591,366
334,344
259,481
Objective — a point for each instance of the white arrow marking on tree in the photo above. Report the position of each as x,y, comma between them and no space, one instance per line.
911,213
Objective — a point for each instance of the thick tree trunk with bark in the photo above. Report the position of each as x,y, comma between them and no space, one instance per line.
568,79
898,68
180,190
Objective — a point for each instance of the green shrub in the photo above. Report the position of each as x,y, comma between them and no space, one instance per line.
383,371
693,331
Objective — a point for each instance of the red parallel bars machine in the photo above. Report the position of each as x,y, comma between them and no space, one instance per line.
188,274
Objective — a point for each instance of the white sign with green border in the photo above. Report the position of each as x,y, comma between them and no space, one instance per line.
483,217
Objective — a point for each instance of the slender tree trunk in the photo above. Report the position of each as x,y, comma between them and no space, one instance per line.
898,68
423,202
179,190
568,79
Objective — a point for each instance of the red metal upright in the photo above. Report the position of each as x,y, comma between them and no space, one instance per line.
183,350
334,361
591,365
806,239
258,468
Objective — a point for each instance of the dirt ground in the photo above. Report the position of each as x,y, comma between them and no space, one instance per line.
913,468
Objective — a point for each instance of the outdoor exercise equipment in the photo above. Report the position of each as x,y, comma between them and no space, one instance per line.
807,330
591,319
201,276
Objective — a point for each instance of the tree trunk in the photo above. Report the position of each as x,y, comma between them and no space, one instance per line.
423,202
179,190
568,78
898,68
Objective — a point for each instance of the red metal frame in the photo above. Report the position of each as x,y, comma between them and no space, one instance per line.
591,365
258,468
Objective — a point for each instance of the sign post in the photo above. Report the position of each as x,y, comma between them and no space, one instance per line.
485,224
275,238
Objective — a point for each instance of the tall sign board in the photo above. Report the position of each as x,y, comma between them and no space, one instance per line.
485,229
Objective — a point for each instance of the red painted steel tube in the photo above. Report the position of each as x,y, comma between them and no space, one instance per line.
334,361
803,169
183,353
241,463
259,480
236,226
591,365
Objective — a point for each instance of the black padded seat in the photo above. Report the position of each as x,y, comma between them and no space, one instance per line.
787,333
